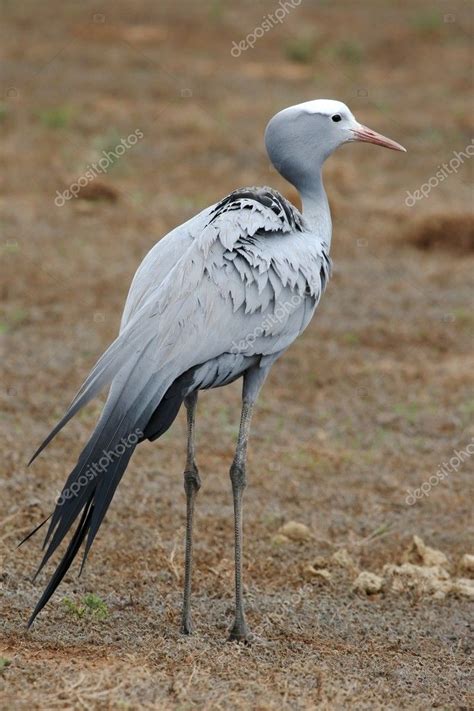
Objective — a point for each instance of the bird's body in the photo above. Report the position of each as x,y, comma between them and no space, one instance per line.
220,297
263,282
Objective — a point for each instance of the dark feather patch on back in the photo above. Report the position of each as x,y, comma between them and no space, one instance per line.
288,216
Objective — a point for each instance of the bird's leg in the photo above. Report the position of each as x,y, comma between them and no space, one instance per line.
238,478
192,484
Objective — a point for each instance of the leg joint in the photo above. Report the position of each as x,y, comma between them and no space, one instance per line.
238,475
192,480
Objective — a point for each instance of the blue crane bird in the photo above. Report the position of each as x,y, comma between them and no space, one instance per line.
220,297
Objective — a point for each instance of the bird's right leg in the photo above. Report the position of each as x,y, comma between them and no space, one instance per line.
192,484
253,381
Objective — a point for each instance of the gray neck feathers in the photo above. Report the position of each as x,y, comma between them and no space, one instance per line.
295,151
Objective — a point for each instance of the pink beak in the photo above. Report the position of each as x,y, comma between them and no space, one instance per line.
366,135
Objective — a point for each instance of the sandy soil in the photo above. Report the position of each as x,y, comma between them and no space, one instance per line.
363,409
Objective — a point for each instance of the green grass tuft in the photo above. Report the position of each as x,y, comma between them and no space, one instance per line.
427,23
300,49
4,663
58,117
96,606
92,605
409,411
349,52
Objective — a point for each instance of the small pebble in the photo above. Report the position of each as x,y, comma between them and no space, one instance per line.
342,558
295,531
463,587
313,572
467,562
370,583
420,552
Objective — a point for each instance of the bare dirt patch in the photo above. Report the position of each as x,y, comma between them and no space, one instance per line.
443,232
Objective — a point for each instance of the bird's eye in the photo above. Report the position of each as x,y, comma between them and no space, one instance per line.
336,117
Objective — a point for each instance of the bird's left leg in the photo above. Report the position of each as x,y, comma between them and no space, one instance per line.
192,484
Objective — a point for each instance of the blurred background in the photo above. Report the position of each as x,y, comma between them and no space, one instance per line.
119,121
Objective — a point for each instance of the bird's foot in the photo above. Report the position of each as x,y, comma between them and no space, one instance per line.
186,625
240,633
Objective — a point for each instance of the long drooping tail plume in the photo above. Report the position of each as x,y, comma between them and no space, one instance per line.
131,414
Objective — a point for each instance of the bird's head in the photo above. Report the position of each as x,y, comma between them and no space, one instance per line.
301,137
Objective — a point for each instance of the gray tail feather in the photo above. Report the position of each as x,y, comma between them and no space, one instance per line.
109,365
89,488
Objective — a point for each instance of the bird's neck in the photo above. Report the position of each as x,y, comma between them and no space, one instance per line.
316,208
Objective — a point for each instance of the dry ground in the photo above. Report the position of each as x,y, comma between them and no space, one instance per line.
369,402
